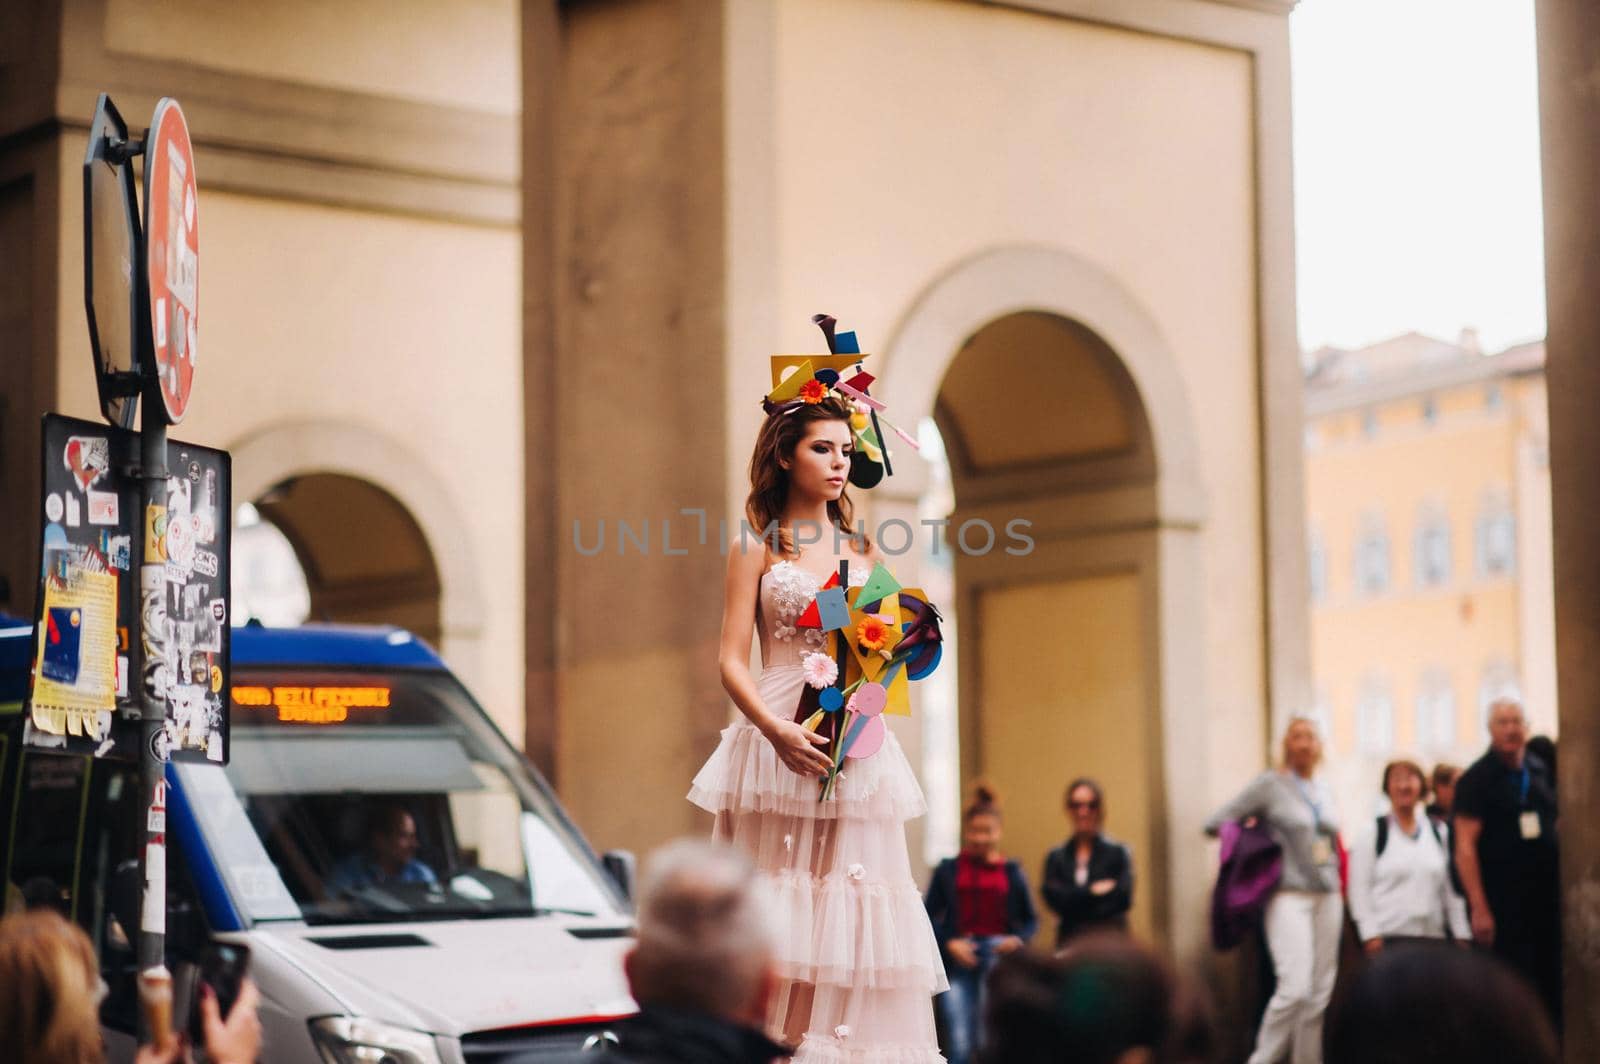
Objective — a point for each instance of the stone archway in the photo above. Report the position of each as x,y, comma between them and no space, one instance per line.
1113,579
364,557
296,468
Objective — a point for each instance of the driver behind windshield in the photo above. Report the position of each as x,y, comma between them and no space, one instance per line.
390,855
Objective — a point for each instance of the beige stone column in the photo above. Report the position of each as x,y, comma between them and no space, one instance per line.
633,395
31,234
541,58
1569,99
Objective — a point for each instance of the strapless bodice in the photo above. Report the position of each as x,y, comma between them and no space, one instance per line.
786,590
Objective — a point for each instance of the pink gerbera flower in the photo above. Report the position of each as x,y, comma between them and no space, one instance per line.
819,670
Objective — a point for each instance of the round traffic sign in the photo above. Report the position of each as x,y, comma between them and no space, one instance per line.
172,241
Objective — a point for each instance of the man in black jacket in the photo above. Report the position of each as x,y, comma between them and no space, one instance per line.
702,971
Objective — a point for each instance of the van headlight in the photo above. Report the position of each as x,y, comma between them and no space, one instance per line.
357,1040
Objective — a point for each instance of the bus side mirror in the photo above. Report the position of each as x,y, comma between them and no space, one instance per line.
620,866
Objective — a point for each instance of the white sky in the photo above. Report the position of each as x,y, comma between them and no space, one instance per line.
1417,170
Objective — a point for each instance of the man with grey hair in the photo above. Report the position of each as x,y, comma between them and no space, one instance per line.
702,970
1505,832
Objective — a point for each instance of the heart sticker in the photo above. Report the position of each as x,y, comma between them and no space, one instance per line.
87,458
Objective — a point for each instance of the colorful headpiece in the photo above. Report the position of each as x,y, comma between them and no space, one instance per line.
798,380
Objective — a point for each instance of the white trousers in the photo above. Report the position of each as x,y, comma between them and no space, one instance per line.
1303,936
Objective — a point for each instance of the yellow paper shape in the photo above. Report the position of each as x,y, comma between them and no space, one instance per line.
852,669
899,689
839,363
790,386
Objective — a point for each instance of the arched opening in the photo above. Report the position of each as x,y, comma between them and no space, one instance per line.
1040,396
1081,630
395,494
269,583
1039,414
362,555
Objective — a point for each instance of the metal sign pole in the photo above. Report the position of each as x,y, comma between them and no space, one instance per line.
156,674
141,293
170,287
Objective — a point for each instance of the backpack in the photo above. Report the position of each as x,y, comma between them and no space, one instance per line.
1383,833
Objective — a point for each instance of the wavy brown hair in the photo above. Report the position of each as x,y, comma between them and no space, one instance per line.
48,970
780,434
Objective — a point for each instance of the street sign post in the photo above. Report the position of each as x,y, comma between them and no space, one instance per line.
112,656
171,287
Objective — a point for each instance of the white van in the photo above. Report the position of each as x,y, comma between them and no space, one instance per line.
503,934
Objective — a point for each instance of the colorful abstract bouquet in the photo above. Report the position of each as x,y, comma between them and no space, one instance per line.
878,638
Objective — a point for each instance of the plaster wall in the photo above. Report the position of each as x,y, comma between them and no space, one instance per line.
884,166
357,341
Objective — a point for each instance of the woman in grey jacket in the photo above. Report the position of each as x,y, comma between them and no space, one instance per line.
1304,917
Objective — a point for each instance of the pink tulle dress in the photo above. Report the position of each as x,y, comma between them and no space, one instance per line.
856,955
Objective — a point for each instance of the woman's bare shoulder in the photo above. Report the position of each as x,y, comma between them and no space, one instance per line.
747,557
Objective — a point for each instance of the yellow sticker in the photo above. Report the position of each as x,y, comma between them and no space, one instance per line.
789,387
155,534
70,694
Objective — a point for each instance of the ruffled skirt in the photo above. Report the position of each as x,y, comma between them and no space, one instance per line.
856,955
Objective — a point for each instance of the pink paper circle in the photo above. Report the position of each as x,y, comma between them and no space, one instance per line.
870,741
869,699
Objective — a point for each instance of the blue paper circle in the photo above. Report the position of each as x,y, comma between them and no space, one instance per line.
830,377
933,663
831,699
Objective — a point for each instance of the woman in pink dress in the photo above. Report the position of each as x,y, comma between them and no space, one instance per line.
857,959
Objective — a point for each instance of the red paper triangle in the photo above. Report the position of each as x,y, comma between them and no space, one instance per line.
811,617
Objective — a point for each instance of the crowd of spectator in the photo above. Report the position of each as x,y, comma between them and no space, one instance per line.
1452,894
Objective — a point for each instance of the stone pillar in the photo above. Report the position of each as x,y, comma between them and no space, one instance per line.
31,234
541,79
1569,100
633,397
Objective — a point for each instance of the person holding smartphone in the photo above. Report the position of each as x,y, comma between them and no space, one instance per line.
49,1013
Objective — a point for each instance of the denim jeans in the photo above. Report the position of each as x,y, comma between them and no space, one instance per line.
961,1007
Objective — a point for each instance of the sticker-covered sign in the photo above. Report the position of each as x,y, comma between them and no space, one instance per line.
109,629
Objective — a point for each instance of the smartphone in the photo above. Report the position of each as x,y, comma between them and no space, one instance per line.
222,968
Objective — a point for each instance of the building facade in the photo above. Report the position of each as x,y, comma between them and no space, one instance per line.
481,276
1429,556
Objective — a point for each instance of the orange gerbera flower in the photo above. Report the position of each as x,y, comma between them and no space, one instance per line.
872,633
813,391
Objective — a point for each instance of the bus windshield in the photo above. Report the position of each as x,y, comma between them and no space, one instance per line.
360,797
